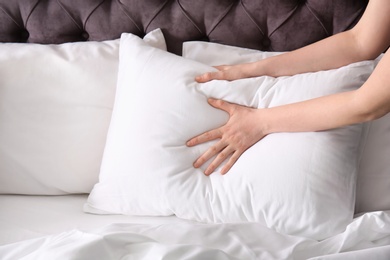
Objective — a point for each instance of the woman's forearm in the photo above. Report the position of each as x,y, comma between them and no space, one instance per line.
362,42
365,41
330,53
370,101
313,115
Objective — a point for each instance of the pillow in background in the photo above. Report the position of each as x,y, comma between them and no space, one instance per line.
282,181
373,183
55,108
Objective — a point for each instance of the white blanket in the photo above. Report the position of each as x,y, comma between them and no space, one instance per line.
367,237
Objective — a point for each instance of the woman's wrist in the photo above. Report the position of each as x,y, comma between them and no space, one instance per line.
263,122
258,68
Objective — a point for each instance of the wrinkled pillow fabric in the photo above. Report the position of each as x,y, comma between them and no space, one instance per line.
373,183
283,181
55,108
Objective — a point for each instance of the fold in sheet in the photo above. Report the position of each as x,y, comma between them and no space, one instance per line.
367,237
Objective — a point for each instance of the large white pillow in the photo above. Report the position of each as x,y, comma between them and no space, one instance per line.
282,181
55,108
373,183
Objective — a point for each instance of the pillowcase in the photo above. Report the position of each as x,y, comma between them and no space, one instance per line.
55,108
373,183
282,181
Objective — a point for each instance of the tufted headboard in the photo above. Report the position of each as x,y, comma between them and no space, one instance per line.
270,25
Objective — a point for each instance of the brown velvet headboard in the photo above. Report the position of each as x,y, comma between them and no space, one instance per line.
271,25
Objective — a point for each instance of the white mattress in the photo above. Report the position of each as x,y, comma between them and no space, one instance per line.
25,217
55,227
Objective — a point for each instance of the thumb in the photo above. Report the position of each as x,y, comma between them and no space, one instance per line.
222,105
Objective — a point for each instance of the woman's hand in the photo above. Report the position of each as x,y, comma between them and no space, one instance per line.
228,72
242,130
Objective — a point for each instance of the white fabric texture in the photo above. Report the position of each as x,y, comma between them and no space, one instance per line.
367,237
55,108
373,183
27,217
282,181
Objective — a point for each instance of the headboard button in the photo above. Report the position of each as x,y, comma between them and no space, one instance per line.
24,35
85,35
266,43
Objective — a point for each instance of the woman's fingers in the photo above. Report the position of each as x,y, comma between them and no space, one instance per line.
212,151
222,105
222,67
242,130
219,75
209,76
223,154
205,137
221,157
232,160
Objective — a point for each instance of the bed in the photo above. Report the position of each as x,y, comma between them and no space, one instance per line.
97,101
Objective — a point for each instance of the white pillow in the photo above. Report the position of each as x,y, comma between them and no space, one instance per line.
282,181
55,108
373,183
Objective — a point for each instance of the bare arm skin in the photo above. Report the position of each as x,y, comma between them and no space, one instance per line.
365,41
246,126
369,102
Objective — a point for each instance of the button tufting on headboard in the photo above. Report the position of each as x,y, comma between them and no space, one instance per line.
24,35
84,36
266,43
277,25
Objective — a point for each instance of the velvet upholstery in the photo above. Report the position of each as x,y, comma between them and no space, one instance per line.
273,25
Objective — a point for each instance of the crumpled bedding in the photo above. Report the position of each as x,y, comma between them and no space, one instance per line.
367,237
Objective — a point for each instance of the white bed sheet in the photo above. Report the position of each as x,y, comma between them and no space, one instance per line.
26,217
60,230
